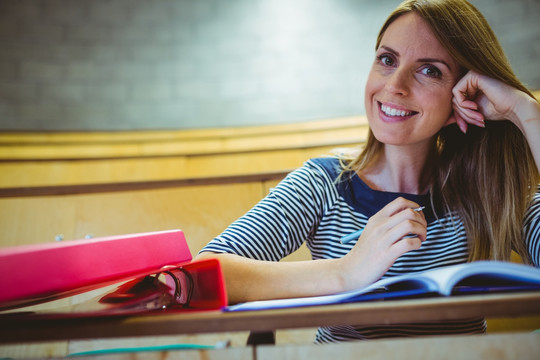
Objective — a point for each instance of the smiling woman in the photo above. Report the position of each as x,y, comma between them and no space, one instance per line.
467,44
428,101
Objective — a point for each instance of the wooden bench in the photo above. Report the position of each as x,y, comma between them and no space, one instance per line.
73,185
33,160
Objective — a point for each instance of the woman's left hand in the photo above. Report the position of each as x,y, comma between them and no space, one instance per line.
478,97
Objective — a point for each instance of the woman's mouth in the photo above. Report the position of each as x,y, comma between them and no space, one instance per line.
394,112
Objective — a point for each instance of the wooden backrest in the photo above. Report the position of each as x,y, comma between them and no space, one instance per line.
97,184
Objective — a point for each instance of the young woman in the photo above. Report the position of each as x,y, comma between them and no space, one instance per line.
451,129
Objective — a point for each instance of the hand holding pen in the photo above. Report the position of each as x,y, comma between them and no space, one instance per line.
399,227
355,235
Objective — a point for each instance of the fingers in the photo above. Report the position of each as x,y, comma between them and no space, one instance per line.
396,229
467,113
468,87
397,220
398,205
478,97
403,246
467,110
410,233
469,104
409,225
457,119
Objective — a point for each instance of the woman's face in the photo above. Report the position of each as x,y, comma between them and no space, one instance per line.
409,88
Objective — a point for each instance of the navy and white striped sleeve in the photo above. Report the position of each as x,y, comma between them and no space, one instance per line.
282,221
532,229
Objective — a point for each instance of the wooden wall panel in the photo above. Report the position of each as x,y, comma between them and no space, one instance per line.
104,171
337,131
141,136
264,142
61,159
59,173
35,220
201,211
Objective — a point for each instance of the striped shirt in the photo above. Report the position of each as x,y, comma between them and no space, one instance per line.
310,206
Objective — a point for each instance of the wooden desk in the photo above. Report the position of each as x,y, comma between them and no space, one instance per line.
383,312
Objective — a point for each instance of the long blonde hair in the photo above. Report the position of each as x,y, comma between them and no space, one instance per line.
488,176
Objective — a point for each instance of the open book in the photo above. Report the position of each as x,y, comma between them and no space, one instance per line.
469,278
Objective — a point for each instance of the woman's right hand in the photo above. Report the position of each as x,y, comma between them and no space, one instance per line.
396,229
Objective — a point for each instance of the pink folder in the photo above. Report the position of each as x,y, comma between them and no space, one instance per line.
36,273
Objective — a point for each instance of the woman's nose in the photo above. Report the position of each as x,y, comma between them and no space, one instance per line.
398,82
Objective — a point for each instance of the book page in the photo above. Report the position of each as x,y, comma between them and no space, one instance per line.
449,276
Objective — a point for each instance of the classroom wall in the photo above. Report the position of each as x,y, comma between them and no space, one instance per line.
136,64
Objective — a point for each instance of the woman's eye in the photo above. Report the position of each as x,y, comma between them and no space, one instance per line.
386,59
431,71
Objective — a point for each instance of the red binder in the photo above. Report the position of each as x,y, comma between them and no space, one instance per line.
37,273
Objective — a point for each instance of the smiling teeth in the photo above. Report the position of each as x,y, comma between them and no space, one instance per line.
394,112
